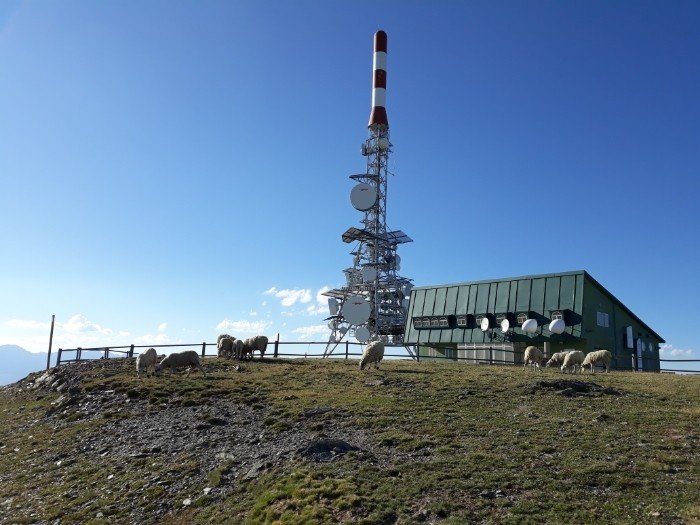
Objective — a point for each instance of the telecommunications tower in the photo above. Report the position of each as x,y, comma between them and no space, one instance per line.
373,303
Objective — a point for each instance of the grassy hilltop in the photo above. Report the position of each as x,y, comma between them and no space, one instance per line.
314,441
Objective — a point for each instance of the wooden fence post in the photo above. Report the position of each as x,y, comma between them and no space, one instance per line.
347,349
58,357
79,354
131,351
490,355
48,357
204,348
277,345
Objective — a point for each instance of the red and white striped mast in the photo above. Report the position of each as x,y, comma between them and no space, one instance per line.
373,284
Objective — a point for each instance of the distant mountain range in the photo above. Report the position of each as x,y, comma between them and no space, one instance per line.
16,363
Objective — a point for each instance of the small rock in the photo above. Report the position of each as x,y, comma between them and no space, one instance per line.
99,515
111,476
58,463
187,502
207,490
654,514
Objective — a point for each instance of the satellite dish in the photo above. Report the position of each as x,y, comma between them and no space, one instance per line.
505,325
333,305
557,326
363,196
484,324
356,310
333,324
529,326
383,143
362,334
369,274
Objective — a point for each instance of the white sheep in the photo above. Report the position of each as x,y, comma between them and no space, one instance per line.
175,360
238,348
533,356
258,342
146,361
602,357
374,353
572,361
557,359
224,345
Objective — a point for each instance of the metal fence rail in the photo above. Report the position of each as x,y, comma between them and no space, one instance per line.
637,363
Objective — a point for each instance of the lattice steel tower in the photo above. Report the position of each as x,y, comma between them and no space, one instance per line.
372,305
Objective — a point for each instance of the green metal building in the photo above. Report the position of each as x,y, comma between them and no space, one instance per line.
448,321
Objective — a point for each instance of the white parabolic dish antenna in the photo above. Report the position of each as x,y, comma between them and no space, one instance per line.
557,326
484,324
505,325
362,334
363,196
369,274
356,309
530,326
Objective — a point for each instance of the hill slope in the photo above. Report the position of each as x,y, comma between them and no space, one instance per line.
313,441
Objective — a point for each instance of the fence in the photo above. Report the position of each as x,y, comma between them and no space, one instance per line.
479,355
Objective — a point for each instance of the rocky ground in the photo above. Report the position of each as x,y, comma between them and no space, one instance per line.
234,438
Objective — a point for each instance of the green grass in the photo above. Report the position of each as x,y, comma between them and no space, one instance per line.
442,442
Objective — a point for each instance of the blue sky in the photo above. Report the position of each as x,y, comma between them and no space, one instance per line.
171,170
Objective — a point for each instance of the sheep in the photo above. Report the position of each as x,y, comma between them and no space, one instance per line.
146,361
258,342
598,357
533,356
178,359
238,348
557,359
572,361
374,352
224,347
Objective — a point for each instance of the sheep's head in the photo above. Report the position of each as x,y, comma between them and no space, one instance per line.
158,369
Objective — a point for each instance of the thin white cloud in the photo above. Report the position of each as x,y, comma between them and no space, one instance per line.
290,297
667,350
321,306
79,324
162,327
156,339
306,332
27,324
242,327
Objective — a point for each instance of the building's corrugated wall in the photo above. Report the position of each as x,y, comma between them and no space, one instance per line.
577,293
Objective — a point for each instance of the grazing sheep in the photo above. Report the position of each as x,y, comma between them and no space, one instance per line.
146,361
224,347
374,352
557,359
258,342
175,360
238,348
602,357
533,356
572,361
